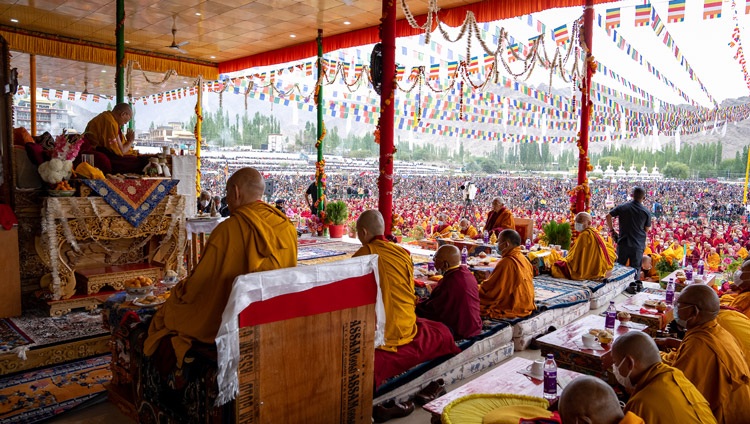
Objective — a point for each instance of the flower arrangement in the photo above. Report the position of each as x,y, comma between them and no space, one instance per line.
417,232
60,166
315,225
730,265
665,266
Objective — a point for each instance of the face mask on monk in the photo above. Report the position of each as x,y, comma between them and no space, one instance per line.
624,380
681,321
204,203
579,226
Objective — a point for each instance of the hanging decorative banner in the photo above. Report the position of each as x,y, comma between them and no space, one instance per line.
613,18
560,34
676,11
642,14
712,9
737,42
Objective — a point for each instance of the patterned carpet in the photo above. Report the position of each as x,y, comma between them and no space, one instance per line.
309,253
35,328
11,337
35,396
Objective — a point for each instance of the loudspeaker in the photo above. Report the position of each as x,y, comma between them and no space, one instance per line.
270,188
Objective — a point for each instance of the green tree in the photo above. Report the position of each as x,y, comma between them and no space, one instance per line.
676,170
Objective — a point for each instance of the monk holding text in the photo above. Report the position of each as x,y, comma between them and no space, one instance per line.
509,292
590,257
256,237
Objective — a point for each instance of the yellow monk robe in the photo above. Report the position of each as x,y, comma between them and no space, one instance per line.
713,261
663,395
742,253
470,232
509,292
589,259
443,230
503,219
257,237
631,418
396,272
102,130
712,360
740,302
738,325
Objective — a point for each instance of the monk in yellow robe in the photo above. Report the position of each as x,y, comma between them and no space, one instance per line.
710,356
509,291
659,394
409,340
466,229
443,228
256,237
105,130
648,272
590,400
590,258
739,299
742,253
738,325
500,218
713,261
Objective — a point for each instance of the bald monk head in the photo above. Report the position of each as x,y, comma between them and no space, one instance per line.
583,219
646,262
244,187
633,353
447,256
508,240
697,305
589,400
463,224
743,278
369,225
123,113
497,204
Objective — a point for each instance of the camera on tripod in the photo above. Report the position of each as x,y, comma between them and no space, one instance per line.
469,191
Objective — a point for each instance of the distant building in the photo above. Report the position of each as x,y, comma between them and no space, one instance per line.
49,117
276,143
172,134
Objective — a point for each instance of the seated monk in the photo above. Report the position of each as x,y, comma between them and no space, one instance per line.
659,394
256,237
455,299
500,218
590,257
713,261
738,325
509,291
648,272
443,229
467,229
739,298
709,356
409,340
590,400
104,134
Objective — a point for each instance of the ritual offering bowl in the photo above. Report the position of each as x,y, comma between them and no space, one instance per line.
623,316
61,193
138,287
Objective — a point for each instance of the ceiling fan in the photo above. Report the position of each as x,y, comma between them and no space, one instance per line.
175,45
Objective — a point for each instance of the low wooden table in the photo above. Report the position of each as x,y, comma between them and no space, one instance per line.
709,278
566,345
504,378
646,315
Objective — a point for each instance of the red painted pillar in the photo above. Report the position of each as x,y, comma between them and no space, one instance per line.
387,112
583,151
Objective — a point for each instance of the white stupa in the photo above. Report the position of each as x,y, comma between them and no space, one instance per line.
597,169
621,172
644,172
655,174
632,173
610,172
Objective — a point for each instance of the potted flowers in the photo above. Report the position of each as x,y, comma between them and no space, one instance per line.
336,215
352,228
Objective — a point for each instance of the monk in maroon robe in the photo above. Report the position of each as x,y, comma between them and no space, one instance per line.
500,218
455,300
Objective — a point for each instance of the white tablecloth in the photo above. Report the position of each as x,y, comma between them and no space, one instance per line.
198,226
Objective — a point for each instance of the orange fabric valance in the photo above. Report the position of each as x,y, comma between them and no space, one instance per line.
484,11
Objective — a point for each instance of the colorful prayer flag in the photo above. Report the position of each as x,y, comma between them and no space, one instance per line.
642,14
434,71
676,11
711,9
71,95
657,25
560,34
613,18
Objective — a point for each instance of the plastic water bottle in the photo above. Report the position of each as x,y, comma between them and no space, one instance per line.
486,237
550,377
689,272
609,321
670,292
701,267
431,263
464,256
528,244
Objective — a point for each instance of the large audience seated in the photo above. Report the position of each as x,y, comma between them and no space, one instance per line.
709,356
257,237
455,299
509,290
590,257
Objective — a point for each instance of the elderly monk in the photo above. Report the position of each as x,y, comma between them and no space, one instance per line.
590,258
256,237
509,291
648,272
659,394
105,130
466,229
590,400
455,299
709,356
500,218
739,299
409,341
443,228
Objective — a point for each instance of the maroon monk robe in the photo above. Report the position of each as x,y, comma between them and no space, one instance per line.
455,303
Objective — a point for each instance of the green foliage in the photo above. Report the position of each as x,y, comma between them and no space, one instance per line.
557,233
665,266
676,170
337,212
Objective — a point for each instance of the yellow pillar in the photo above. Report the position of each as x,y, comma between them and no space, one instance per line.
198,124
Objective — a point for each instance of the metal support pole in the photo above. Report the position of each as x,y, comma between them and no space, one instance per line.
120,52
